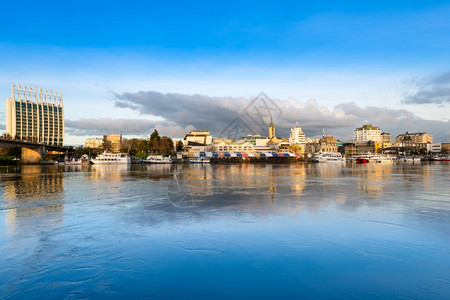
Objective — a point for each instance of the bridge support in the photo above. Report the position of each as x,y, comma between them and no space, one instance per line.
31,156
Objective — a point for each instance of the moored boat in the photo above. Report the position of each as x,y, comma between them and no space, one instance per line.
362,160
84,160
329,157
442,158
106,158
409,159
158,159
370,158
199,160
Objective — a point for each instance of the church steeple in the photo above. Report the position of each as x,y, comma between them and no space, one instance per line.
271,129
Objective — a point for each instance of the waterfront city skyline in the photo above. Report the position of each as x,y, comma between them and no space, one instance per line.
196,66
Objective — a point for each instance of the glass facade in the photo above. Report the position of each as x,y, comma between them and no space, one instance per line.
35,115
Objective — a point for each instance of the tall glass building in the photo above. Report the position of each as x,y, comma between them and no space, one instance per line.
35,115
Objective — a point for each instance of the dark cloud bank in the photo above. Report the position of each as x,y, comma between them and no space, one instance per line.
185,112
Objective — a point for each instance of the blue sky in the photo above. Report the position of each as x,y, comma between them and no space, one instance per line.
391,55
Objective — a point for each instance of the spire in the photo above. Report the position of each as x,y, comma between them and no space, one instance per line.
271,129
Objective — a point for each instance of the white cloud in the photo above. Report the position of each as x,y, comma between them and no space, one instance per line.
216,113
128,127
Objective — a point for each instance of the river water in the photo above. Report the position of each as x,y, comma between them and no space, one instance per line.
315,231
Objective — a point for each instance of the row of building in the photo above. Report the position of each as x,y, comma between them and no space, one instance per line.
367,138
373,133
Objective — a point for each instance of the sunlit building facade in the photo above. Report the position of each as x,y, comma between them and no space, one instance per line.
112,142
198,137
93,143
297,136
368,133
414,139
35,115
386,140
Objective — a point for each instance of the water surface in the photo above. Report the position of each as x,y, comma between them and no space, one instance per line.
315,231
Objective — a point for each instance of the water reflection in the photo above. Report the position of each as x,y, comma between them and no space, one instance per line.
289,189
83,232
253,188
33,192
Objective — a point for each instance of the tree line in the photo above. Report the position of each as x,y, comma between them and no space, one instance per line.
155,144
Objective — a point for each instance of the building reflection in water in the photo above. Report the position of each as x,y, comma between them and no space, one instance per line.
298,182
372,177
256,188
112,172
33,193
262,189
284,189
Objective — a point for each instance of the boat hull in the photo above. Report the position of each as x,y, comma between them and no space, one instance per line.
362,161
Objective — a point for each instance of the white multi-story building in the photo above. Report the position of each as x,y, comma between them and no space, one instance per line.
35,115
368,133
297,137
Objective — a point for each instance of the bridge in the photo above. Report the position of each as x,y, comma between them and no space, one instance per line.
32,153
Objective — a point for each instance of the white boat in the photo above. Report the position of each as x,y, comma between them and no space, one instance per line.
158,159
199,160
381,158
328,157
111,159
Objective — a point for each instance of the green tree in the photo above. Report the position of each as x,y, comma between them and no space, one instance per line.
164,146
142,146
6,136
133,152
154,141
171,143
179,146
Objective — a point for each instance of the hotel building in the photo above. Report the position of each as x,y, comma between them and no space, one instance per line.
368,133
35,115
